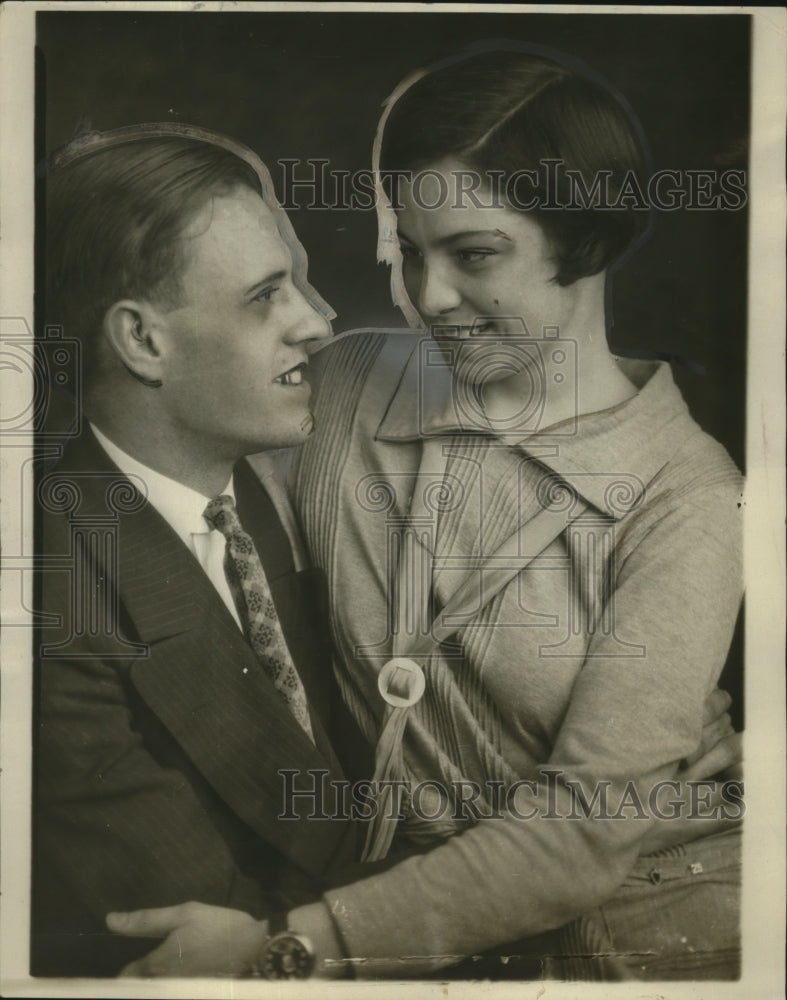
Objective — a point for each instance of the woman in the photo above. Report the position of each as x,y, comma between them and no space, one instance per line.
553,543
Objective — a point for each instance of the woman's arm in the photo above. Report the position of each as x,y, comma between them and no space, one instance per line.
628,724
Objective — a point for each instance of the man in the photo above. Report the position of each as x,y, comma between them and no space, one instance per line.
182,660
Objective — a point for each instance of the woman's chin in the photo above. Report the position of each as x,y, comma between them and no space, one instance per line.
481,365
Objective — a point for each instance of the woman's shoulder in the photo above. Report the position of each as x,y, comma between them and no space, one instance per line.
691,488
702,465
690,458
356,350
698,465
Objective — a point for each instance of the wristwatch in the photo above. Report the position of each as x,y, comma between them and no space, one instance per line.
286,954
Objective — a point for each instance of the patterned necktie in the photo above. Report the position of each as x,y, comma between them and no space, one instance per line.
252,594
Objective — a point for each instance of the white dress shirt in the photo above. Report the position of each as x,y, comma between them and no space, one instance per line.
182,508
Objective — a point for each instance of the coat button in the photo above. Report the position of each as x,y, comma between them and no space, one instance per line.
401,682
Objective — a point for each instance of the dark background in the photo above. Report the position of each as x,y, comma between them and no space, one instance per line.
310,85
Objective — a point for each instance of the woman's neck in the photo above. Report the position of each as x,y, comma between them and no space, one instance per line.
562,378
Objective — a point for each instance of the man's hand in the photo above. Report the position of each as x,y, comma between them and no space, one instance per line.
720,753
200,940
721,748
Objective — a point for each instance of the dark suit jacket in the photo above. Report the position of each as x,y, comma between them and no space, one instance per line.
159,735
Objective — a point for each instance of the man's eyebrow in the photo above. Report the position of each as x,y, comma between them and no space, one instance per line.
276,276
495,234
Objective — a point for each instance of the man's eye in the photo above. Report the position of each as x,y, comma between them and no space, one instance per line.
475,255
265,295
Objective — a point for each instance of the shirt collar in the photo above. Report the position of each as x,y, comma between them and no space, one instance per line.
180,506
608,457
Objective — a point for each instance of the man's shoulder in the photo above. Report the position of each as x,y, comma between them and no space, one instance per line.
81,485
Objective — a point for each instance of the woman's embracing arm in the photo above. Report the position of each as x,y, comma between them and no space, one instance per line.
568,840
628,725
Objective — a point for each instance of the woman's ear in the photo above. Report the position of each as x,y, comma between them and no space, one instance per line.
132,330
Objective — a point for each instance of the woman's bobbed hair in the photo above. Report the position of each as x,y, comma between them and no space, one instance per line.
511,111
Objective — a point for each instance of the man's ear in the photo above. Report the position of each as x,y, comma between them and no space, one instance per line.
133,330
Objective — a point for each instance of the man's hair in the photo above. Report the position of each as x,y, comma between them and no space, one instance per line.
508,111
114,218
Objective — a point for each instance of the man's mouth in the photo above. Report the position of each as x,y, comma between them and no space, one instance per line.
293,376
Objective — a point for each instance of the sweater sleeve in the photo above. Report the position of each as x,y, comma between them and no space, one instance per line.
628,724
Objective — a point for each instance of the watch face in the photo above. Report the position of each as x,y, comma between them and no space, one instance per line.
288,956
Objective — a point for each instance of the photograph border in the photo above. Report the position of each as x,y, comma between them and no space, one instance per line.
763,916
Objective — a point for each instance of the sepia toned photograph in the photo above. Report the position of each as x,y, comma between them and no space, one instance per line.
393,500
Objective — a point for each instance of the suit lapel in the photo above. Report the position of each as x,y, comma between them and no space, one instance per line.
204,682
223,711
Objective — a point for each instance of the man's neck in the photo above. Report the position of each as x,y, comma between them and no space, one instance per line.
202,473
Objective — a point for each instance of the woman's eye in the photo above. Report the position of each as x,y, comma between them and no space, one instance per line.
475,255
265,295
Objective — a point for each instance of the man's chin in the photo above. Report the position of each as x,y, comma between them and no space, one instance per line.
287,437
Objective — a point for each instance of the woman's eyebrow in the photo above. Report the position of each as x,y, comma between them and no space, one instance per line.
451,238
495,234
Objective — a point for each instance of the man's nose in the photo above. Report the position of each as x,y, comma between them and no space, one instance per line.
308,322
437,295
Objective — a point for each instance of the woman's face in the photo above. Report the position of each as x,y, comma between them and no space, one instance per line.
476,274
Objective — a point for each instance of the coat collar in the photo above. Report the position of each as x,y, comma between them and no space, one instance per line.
608,457
182,507
159,578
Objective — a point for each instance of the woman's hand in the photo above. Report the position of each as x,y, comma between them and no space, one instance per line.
199,940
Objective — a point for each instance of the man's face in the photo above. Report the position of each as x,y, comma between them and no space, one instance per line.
237,346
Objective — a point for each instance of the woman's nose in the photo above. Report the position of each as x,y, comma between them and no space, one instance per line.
437,295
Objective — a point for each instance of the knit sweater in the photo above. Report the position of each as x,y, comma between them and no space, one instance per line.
589,669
